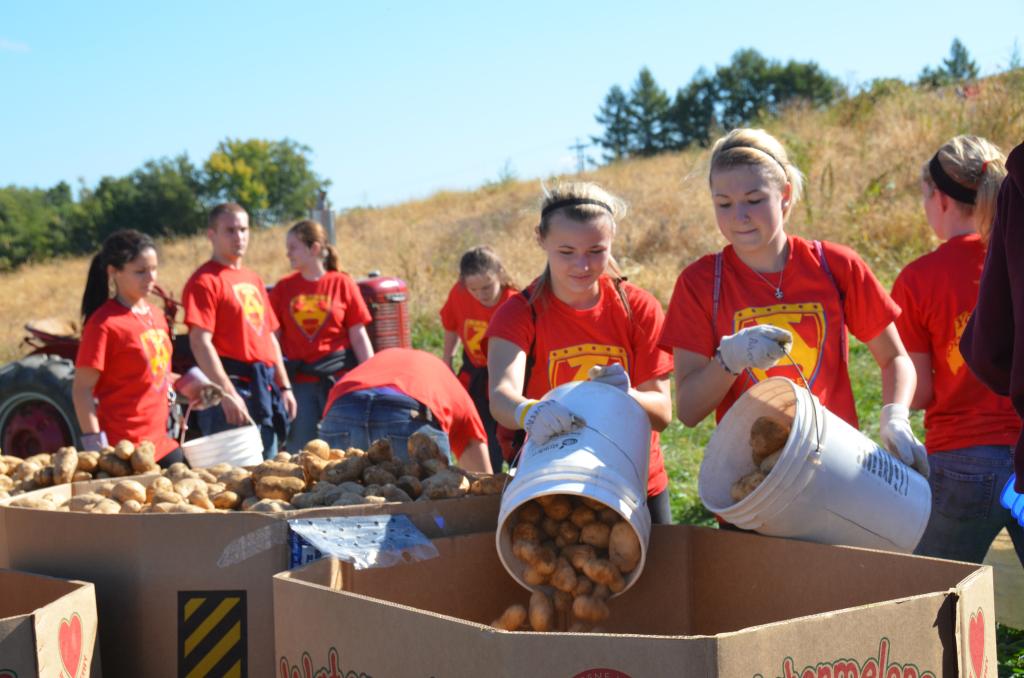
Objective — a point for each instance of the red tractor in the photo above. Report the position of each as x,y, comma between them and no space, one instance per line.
36,410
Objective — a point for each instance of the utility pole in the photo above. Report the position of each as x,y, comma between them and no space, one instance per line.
581,160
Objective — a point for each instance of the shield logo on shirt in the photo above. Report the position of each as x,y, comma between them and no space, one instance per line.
156,346
474,331
251,301
573,362
954,358
309,311
806,322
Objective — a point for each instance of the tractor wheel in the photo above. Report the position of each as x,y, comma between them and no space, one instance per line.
36,410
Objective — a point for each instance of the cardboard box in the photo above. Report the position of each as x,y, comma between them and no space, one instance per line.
178,593
709,603
47,627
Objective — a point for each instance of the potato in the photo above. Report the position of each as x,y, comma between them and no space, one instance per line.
769,462
105,489
65,463
349,499
348,469
81,476
41,503
534,577
745,485
412,468
375,475
114,465
277,469
124,450
592,504
184,507
582,515
488,485
608,516
595,534
337,454
601,592
767,435
312,466
601,571
88,461
511,619
205,475
239,481
187,486
226,500
526,551
526,531
389,492
104,506
129,490
624,547
422,447
564,576
349,486
270,505
545,561
542,612
550,526
42,459
44,477
433,466
221,469
131,506
568,534
177,471
411,485
557,508
83,502
6,484
215,488
160,484
318,448
165,497
577,554
161,507
584,586
278,487
283,457
445,485
530,512
144,458
26,471
590,609
199,498
380,450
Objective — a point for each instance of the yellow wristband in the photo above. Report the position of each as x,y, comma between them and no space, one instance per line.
526,406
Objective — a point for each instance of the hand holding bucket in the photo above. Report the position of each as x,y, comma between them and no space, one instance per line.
197,388
899,439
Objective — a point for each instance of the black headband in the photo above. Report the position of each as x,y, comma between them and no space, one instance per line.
947,185
571,202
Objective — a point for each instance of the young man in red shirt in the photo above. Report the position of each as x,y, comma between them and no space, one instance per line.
401,391
231,333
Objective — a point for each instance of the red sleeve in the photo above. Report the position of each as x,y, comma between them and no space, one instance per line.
279,299
652,361
513,322
910,323
868,308
449,320
92,349
688,324
200,302
356,311
466,423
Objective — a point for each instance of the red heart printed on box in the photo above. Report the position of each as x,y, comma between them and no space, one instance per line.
69,638
976,641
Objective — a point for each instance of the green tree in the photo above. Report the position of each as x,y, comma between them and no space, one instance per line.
616,117
32,227
957,67
272,180
649,106
693,114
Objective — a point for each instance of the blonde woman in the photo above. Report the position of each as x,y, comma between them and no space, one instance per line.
969,430
734,314
580,313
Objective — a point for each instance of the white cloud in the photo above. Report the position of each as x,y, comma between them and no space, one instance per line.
13,46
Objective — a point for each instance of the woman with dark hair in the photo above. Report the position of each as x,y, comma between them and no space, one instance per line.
123,374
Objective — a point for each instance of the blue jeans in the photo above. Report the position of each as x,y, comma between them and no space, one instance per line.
311,398
357,419
212,420
966,513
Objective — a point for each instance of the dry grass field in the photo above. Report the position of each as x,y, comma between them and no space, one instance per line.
862,159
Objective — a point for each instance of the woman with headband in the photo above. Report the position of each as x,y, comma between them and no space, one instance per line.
580,318
969,430
735,315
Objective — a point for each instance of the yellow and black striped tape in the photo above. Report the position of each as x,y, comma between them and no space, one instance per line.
212,634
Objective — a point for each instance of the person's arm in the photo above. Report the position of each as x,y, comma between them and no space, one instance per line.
475,457
899,378
451,342
82,398
291,406
655,396
506,369
924,393
201,342
359,340
701,384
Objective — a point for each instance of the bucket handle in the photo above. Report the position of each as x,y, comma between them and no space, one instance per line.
188,412
814,410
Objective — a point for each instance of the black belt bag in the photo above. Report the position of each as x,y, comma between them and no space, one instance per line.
325,368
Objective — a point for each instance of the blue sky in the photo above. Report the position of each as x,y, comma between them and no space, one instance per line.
398,100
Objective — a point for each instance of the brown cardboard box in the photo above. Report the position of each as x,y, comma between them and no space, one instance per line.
47,627
189,592
709,603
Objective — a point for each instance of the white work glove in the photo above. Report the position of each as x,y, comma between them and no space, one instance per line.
899,439
545,419
94,442
759,346
613,375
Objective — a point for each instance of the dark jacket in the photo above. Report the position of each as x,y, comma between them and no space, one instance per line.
993,343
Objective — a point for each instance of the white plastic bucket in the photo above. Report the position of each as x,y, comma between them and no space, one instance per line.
242,446
833,487
607,461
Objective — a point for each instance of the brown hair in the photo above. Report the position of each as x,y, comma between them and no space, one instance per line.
222,209
756,147
310,232
482,260
978,165
599,204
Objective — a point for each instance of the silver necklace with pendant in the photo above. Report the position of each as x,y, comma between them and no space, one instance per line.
777,288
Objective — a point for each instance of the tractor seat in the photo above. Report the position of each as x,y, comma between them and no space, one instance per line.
53,329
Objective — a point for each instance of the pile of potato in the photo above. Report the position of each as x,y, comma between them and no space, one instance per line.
576,551
767,438
317,476
68,465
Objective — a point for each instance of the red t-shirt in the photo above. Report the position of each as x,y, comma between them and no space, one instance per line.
232,303
316,315
569,342
133,356
464,315
810,309
936,305
424,377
